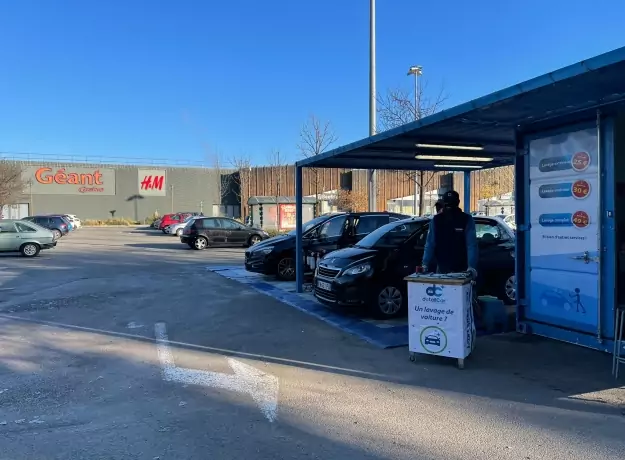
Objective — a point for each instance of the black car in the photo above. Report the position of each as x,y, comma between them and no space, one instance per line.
371,273
57,224
220,231
323,234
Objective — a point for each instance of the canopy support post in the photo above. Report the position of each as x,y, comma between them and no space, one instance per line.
467,192
299,250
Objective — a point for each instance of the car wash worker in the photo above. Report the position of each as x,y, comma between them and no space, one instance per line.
439,205
451,239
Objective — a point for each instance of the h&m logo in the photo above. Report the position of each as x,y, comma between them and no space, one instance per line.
152,183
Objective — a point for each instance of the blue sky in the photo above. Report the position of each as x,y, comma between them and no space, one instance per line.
178,79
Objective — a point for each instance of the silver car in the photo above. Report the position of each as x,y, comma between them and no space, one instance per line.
25,237
176,229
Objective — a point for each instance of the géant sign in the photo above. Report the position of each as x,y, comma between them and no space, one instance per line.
44,180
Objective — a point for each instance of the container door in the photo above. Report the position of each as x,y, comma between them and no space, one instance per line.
564,230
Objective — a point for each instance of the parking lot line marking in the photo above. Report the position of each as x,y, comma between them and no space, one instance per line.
262,387
241,354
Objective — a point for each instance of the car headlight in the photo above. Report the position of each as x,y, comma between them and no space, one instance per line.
266,250
358,269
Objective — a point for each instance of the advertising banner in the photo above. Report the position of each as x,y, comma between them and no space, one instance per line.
287,216
564,211
45,180
152,182
440,319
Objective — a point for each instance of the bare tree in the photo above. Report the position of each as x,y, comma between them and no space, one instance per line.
315,138
276,162
223,173
12,183
397,107
241,179
351,200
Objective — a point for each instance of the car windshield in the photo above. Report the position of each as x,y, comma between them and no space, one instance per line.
391,235
311,223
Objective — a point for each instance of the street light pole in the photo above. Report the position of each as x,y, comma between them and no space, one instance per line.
372,99
172,197
417,71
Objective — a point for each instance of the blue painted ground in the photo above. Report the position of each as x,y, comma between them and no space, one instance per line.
384,334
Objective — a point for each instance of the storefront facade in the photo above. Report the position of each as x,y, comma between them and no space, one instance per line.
102,191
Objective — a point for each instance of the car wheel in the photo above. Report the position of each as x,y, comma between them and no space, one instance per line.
254,239
163,230
200,243
286,269
179,232
57,234
389,302
508,294
30,249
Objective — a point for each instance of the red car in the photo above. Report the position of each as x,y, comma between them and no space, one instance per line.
171,219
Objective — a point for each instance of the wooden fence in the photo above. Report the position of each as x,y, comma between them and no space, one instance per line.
280,180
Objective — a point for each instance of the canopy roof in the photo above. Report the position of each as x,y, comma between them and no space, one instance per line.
485,127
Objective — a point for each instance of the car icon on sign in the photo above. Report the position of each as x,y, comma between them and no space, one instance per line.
432,340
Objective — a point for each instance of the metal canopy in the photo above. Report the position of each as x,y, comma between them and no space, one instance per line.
564,96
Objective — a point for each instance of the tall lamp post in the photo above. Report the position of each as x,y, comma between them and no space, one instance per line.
372,99
417,71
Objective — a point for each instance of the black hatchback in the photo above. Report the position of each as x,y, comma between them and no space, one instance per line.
371,273
201,233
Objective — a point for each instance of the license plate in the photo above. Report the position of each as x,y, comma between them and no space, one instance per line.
323,285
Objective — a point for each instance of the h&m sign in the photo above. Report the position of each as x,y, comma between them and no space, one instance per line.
152,182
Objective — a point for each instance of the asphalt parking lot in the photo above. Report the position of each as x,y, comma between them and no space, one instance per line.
119,344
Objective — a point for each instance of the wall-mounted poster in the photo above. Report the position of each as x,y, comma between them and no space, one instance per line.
287,216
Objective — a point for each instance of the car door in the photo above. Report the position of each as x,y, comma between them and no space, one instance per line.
331,235
213,231
9,237
495,252
235,233
365,224
44,222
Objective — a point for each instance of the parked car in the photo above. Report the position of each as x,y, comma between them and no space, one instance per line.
157,223
177,229
67,220
326,233
56,224
24,237
203,231
371,273
74,220
510,221
172,219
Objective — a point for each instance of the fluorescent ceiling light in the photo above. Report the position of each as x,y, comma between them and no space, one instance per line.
449,158
450,147
458,166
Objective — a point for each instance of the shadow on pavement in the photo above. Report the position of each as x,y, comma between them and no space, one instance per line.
103,392
113,389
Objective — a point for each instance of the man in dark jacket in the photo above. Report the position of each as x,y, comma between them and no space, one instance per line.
451,239
439,205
